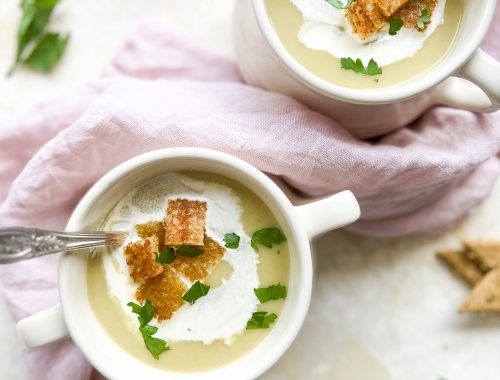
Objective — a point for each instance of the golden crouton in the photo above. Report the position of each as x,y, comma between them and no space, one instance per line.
462,266
366,17
412,11
485,253
164,291
140,256
485,297
388,7
198,267
185,222
153,228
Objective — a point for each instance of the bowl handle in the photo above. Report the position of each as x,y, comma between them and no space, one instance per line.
329,213
41,328
484,96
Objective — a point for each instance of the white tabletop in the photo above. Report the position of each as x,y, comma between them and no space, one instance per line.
381,309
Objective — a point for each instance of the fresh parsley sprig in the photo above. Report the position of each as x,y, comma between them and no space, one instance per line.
395,24
424,18
267,237
145,314
231,240
272,292
197,290
357,66
37,48
261,320
340,4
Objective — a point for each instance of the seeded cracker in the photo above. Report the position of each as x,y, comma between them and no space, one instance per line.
140,256
413,10
149,229
185,222
485,253
197,268
366,17
388,7
462,266
164,292
485,297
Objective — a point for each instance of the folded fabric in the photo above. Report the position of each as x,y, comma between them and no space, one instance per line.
161,91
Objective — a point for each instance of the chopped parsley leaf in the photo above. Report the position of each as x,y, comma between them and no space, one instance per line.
340,4
424,18
166,256
267,237
186,250
197,290
272,292
232,240
261,320
395,24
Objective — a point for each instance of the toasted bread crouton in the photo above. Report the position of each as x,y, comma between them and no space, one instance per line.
485,297
388,7
366,17
165,293
140,256
149,229
185,222
485,253
197,268
464,268
411,12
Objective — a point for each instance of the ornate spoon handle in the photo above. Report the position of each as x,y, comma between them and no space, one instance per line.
19,243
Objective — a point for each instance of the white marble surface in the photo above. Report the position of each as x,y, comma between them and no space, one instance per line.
381,309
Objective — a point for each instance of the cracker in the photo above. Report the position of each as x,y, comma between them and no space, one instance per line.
485,297
165,293
366,17
411,12
153,228
185,222
140,257
388,7
198,267
462,266
485,253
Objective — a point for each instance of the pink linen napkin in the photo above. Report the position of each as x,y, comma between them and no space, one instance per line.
162,90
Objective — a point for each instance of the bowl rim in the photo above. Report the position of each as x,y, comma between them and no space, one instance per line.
383,95
112,366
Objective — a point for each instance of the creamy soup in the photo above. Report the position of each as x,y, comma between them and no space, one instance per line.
318,36
213,328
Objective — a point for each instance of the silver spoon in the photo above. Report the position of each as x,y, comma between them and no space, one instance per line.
19,243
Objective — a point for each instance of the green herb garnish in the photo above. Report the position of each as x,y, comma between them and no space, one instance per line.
358,67
166,256
261,320
267,237
197,290
272,292
339,4
154,345
146,313
395,24
37,48
47,53
232,240
424,18
186,250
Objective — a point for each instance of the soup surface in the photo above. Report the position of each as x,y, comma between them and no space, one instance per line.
213,330
288,21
